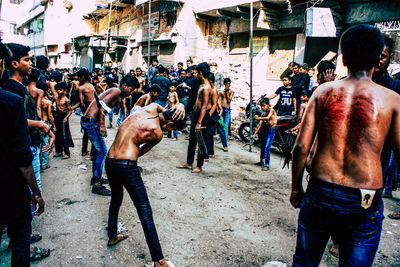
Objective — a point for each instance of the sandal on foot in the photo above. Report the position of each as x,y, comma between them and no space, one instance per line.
185,166
196,170
334,251
395,216
35,238
113,241
66,157
39,253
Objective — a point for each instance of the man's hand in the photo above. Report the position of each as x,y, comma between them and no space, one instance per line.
38,204
103,131
45,128
48,147
296,196
179,113
256,117
329,75
198,127
65,120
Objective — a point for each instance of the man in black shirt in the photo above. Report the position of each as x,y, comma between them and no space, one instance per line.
287,103
300,82
194,85
164,82
16,174
20,65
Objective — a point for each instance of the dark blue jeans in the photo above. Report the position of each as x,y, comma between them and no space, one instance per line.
391,174
92,129
266,138
125,173
19,231
332,210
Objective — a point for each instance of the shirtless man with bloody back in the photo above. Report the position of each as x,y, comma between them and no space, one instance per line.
352,117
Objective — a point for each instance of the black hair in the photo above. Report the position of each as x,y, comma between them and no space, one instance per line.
305,92
389,43
57,76
180,124
180,63
138,68
130,80
191,68
5,52
34,75
18,51
156,60
42,62
83,73
288,76
155,88
162,69
295,64
184,70
264,100
227,80
74,68
361,46
174,83
211,77
325,65
61,85
95,77
204,69
305,66
190,60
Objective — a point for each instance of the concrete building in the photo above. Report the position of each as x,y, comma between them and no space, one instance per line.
10,11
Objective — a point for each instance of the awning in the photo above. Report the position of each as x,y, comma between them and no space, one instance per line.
103,10
238,9
141,2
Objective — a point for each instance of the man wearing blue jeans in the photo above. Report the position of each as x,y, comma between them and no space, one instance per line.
225,98
138,134
352,117
93,124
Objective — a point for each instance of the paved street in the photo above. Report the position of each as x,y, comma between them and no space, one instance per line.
232,214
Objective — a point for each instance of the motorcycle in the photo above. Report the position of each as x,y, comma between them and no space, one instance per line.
284,139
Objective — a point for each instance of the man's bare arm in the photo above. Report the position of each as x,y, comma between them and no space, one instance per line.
80,91
39,98
230,96
272,96
147,147
394,133
300,151
215,103
206,92
29,176
50,116
295,105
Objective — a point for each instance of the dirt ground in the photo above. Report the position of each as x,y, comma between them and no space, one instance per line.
231,214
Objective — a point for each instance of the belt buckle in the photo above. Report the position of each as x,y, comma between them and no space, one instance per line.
367,197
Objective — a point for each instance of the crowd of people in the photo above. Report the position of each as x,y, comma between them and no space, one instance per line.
347,128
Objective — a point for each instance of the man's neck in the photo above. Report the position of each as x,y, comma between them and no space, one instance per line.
362,74
287,86
17,77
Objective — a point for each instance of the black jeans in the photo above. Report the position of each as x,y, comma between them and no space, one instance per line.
193,140
19,231
125,173
61,142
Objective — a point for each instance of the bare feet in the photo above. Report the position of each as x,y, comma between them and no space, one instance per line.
185,166
113,241
66,157
196,170
212,156
206,160
163,263
225,149
265,168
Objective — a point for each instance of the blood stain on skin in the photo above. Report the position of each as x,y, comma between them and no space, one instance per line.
361,117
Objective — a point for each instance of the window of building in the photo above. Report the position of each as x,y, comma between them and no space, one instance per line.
16,2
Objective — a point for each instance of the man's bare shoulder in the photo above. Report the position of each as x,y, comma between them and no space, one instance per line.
87,86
